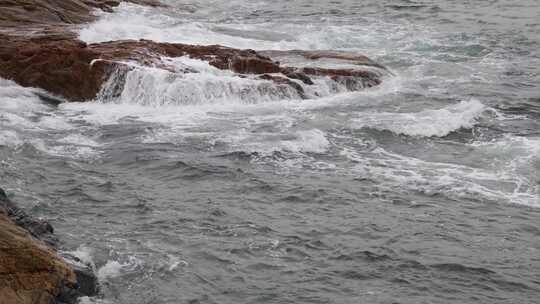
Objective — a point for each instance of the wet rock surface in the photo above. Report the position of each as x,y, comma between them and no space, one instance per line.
31,270
16,13
87,281
38,228
40,49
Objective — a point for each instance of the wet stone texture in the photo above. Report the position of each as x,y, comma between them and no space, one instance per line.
40,50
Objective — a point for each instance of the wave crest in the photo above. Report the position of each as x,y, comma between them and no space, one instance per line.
427,123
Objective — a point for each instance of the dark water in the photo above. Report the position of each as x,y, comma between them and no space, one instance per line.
202,190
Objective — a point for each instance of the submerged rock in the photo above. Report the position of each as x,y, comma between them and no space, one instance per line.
31,271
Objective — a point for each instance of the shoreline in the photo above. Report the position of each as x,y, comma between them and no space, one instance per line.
32,270
41,50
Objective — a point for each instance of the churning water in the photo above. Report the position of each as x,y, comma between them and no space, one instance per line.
208,188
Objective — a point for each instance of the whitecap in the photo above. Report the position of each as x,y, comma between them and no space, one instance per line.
114,268
93,300
130,21
426,123
149,86
110,270
302,141
79,140
157,87
10,139
457,181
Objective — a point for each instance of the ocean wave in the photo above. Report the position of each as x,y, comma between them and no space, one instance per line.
502,183
149,86
24,118
113,268
83,257
157,87
426,123
130,21
10,139
93,300
304,141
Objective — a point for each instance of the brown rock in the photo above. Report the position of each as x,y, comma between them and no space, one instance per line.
30,271
61,67
39,50
360,78
73,70
57,12
351,57
47,12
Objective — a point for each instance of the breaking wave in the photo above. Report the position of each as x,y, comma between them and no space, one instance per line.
426,123
204,84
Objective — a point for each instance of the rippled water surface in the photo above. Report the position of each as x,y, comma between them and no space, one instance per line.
202,189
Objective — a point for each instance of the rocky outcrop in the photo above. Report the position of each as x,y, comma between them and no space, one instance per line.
31,271
38,228
39,13
76,71
40,50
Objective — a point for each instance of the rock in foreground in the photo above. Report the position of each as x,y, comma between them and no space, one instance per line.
31,271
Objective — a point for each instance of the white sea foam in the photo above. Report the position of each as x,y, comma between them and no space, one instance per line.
10,139
84,254
158,87
93,300
113,268
500,184
18,108
71,151
308,141
516,158
15,97
54,122
131,21
21,108
18,104
110,270
24,118
135,22
79,140
303,141
174,262
440,122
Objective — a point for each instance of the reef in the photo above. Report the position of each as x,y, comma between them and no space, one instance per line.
40,49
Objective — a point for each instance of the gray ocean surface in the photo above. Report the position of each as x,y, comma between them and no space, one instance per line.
202,190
